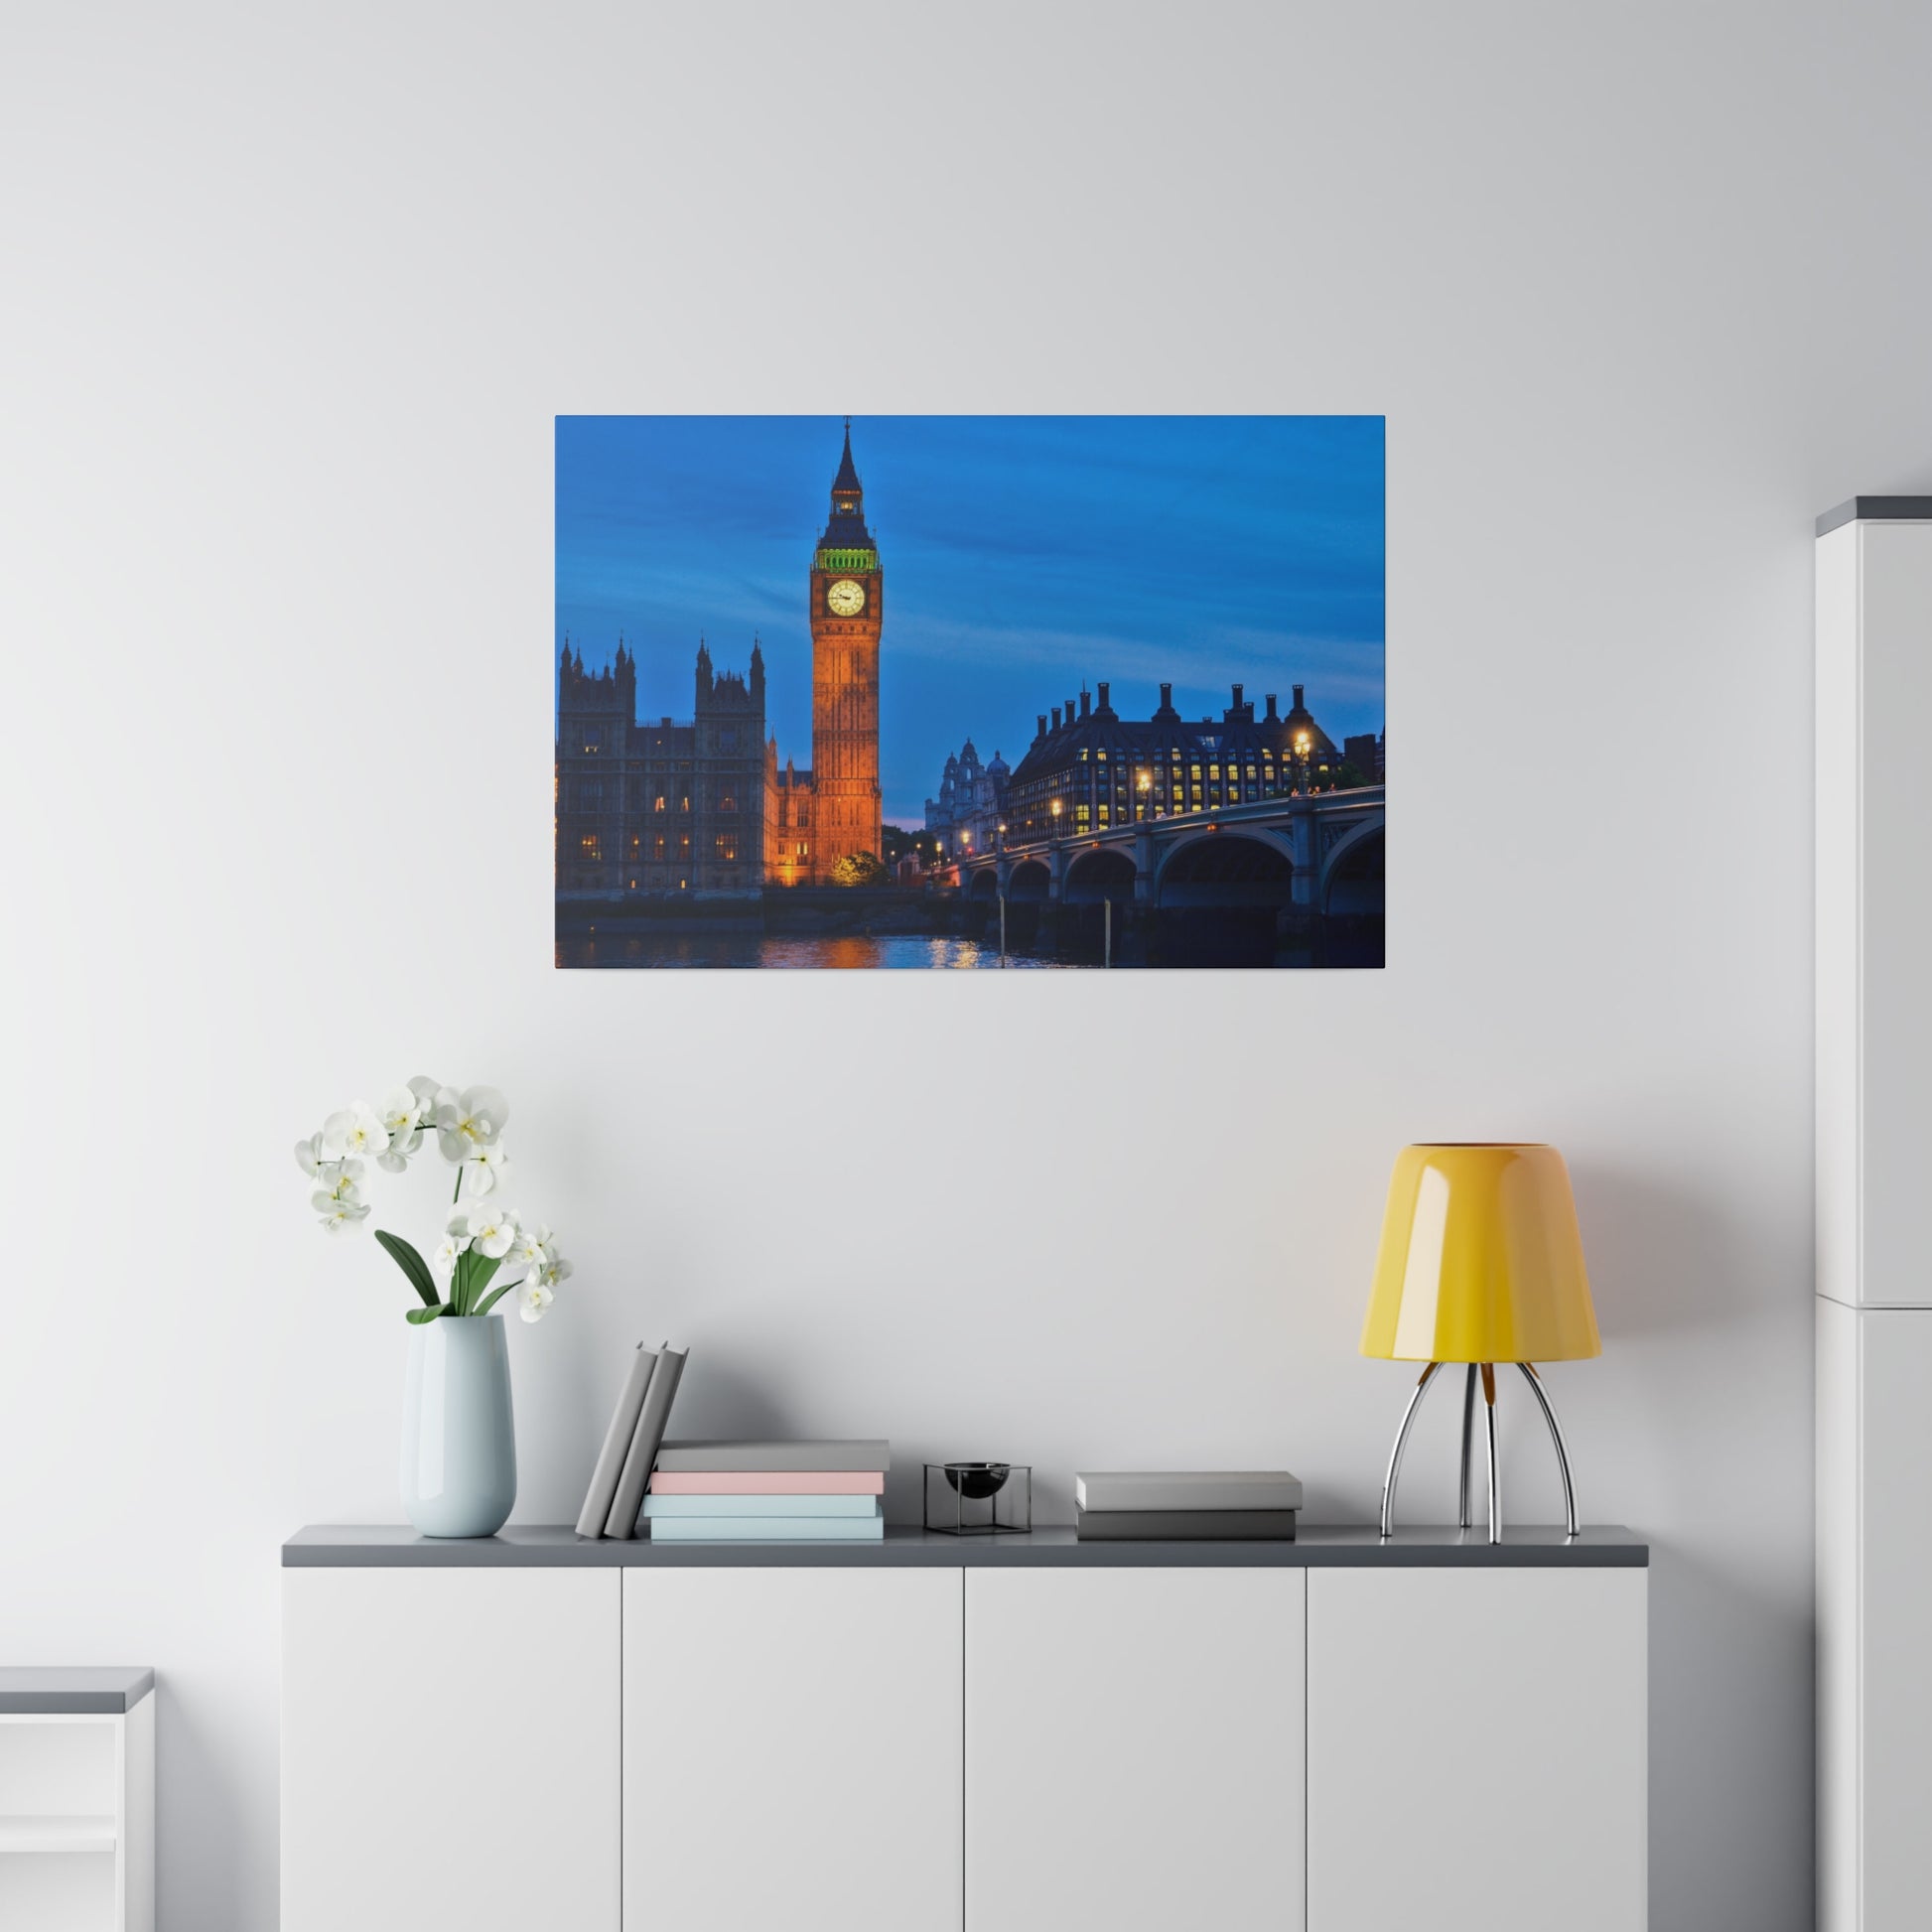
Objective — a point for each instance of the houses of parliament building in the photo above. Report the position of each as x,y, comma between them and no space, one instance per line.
660,807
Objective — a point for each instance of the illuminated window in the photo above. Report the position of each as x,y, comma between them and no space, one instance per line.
593,741
684,848
685,803
658,843
727,800
658,804
589,847
727,845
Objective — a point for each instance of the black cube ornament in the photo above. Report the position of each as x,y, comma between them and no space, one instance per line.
979,1498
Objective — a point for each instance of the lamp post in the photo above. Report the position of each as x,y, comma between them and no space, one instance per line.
1302,746
1054,808
1147,795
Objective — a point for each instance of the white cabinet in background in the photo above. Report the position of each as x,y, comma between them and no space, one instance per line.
77,1802
1476,1750
791,1750
1873,796
450,1750
1133,1749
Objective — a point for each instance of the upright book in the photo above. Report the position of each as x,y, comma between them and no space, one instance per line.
603,1491
645,1442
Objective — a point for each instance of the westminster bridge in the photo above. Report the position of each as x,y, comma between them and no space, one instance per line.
1320,853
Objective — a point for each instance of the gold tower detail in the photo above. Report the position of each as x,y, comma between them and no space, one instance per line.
847,613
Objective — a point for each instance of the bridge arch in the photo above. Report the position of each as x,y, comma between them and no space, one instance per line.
1353,878
1028,880
1104,874
985,882
1250,867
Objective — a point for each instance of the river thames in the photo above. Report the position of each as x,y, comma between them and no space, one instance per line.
910,951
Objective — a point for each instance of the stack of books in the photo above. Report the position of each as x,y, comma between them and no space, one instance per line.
770,1492
617,1492
1225,1505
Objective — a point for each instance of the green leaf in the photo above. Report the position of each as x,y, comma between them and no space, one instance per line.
482,1268
495,1296
412,1265
420,1315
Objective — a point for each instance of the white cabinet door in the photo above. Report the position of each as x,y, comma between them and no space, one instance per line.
1476,1750
450,1750
1133,1749
791,1750
1894,1549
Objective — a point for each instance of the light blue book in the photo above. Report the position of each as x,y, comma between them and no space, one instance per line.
663,1506
768,1529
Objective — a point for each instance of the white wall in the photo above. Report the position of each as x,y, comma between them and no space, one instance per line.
290,301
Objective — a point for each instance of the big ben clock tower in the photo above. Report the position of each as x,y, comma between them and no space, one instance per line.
847,611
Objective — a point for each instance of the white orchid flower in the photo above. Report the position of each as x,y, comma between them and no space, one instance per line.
531,1300
340,1179
357,1130
487,1170
308,1156
468,1121
394,1158
532,1247
490,1232
400,1111
552,1270
340,1213
445,1258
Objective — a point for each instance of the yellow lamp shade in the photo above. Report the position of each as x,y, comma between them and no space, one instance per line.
1480,1261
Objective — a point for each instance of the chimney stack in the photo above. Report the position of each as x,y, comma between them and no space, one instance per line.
1167,697
1041,733
1104,706
1069,710
1056,717
1272,718
1237,697
1298,697
1085,700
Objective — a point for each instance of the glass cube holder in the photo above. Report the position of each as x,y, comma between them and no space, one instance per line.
979,1498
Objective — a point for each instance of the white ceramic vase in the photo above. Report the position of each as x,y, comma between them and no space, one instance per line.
459,1439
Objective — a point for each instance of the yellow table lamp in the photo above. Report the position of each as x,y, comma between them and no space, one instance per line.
1480,1263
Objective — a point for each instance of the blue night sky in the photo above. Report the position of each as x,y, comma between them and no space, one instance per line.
1024,557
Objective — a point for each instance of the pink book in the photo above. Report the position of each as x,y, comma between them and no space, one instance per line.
770,1482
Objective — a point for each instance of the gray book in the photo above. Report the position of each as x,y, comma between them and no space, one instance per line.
1190,1489
616,1445
644,1441
1186,1526
739,1459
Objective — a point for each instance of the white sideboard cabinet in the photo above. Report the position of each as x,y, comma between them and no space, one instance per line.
76,1800
946,1735
1874,589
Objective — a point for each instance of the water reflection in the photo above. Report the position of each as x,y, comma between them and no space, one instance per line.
906,951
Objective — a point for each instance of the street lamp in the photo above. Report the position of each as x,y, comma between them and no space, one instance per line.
1146,796
1054,808
1302,746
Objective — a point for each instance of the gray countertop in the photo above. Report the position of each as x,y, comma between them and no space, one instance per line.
546,1545
65,1690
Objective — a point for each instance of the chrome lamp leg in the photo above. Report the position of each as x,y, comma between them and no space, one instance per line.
1495,1467
1555,1436
1401,1438
1464,1519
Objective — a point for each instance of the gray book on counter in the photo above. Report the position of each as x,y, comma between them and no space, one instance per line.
1185,1524
1190,1489
644,1441
738,1458
603,1491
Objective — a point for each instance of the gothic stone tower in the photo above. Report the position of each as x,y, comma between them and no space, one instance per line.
847,611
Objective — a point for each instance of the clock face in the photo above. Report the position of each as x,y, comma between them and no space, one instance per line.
846,598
